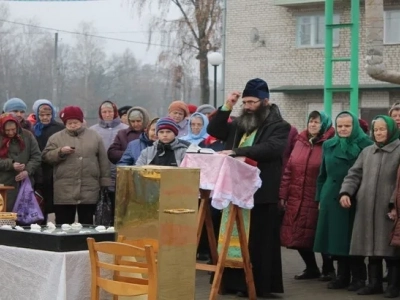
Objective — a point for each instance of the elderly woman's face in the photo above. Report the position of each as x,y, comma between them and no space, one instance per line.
380,131
10,129
196,125
107,113
177,115
136,124
73,124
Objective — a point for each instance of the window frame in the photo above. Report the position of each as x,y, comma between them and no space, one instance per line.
385,24
314,17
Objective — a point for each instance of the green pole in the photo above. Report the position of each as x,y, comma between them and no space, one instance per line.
355,19
328,58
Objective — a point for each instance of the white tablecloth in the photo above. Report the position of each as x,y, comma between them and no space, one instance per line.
43,275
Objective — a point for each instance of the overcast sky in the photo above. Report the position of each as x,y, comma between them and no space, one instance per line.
112,18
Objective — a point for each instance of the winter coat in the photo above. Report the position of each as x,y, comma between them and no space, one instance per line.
298,188
148,154
108,131
125,136
121,141
372,182
30,156
335,223
78,176
44,176
134,149
183,127
290,145
395,238
269,145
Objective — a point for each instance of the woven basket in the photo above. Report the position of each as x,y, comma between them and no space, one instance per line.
8,219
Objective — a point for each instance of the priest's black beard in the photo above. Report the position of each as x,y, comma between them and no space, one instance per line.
249,121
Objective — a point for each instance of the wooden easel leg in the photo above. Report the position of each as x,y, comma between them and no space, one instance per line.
245,254
212,242
201,218
222,258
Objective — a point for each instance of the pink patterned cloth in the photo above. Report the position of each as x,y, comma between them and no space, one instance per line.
231,180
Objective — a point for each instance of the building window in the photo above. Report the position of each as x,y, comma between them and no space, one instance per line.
392,25
311,31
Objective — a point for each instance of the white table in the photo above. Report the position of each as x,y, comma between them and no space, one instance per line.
44,275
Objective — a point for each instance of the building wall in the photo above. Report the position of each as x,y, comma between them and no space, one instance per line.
280,62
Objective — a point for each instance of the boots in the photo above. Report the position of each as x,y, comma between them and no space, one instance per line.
392,290
343,275
375,274
358,273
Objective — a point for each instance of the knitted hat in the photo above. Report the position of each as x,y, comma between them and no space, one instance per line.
71,113
109,104
179,105
167,123
39,102
256,88
14,104
205,109
192,108
123,110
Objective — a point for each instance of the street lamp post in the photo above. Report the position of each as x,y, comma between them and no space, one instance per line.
215,59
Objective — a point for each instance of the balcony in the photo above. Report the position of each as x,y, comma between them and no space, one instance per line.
297,2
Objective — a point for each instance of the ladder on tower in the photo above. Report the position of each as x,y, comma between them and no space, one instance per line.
330,60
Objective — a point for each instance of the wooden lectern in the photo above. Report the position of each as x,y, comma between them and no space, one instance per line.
162,203
3,197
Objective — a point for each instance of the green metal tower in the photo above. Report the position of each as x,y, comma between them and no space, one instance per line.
354,27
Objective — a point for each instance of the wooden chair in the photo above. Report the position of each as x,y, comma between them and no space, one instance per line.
123,285
141,243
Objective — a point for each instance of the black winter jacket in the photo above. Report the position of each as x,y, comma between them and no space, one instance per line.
268,148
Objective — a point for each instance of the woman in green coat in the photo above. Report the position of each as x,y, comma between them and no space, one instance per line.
335,223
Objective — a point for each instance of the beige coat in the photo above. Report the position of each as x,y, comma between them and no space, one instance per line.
78,176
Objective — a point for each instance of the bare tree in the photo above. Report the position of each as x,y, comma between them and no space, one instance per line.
376,68
192,35
88,56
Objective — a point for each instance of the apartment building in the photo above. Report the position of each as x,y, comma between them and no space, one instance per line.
282,41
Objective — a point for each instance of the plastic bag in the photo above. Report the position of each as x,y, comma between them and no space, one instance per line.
104,212
26,206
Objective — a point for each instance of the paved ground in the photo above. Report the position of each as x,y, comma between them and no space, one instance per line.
294,290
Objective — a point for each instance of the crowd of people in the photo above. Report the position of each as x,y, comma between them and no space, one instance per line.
330,189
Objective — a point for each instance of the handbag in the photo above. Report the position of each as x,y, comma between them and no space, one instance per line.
103,215
26,206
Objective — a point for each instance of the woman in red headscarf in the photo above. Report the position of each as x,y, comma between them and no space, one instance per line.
20,156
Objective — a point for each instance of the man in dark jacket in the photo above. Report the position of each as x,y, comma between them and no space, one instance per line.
260,134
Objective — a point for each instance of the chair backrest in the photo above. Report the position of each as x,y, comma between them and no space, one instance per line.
121,285
141,243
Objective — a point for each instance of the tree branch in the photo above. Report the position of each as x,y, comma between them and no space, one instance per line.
178,4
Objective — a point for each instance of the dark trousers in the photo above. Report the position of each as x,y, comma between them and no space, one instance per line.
65,214
111,195
351,267
308,257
